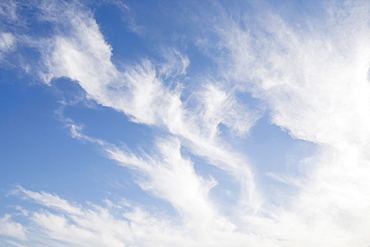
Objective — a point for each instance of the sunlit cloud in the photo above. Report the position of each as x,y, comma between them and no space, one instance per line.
308,75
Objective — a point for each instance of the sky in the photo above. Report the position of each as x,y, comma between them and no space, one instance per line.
184,123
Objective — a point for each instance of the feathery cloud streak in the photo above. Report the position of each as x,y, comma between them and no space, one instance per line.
312,79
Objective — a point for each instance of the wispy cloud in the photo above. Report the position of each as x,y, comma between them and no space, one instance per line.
325,63
314,81
140,93
12,229
117,225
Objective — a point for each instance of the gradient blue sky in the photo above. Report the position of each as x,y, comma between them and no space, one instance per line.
184,123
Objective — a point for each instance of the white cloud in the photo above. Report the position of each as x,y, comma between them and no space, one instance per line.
323,65
12,229
8,10
140,93
7,44
48,200
15,244
7,41
315,82
98,226
171,177
167,175
176,64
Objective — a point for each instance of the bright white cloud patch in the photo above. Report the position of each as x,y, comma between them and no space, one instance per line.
6,41
309,77
12,229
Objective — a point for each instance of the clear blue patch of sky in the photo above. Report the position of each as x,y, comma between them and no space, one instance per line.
270,146
272,150
38,153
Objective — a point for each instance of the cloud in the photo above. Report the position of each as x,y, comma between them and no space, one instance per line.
7,44
175,65
8,11
15,244
140,92
322,64
72,224
314,81
6,41
12,229
166,174
114,225
171,177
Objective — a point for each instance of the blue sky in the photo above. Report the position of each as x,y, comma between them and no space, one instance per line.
184,123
